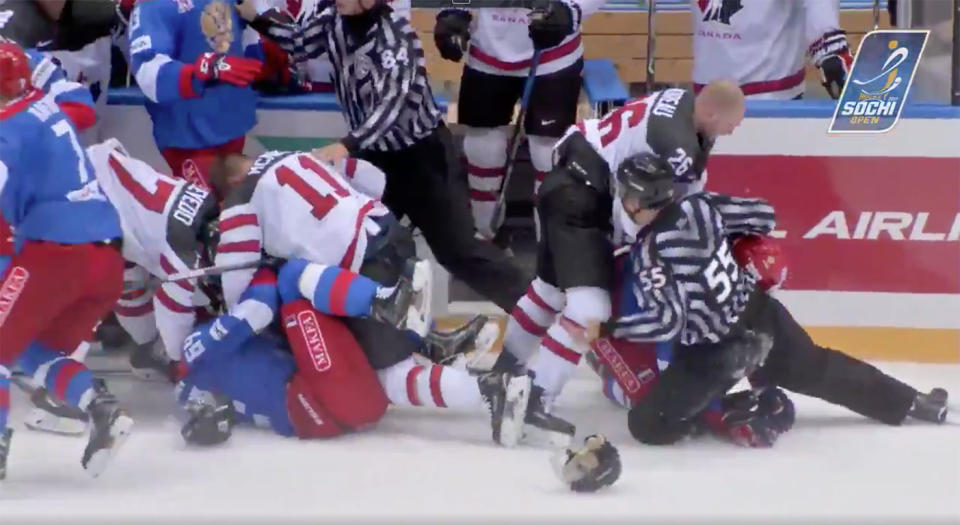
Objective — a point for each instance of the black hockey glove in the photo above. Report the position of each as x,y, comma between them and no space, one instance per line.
452,32
549,28
831,54
591,468
752,419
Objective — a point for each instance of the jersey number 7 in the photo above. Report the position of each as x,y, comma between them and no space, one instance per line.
322,204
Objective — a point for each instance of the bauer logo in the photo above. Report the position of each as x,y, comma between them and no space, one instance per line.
316,346
879,82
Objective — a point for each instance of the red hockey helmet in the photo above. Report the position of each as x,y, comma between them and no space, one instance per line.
14,70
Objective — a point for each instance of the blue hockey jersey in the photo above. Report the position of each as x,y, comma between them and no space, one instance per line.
166,38
48,190
234,356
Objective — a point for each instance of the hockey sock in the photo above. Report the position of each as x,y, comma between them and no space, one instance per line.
330,289
134,309
567,338
4,397
530,318
409,384
541,156
486,152
68,380
34,356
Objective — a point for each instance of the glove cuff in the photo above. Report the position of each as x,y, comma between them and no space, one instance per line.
830,44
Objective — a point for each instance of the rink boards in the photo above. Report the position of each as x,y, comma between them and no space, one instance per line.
870,223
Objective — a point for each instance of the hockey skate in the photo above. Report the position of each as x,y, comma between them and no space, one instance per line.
461,346
407,304
543,428
4,451
111,427
50,415
930,407
506,398
149,362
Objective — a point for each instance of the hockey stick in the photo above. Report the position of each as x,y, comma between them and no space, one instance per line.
651,43
500,211
195,274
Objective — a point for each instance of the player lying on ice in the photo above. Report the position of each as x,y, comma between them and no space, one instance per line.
287,360
696,282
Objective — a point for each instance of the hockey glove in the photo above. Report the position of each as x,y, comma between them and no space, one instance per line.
548,29
763,258
832,56
234,70
210,421
452,32
590,468
749,422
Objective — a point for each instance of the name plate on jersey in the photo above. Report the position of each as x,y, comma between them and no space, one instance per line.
879,81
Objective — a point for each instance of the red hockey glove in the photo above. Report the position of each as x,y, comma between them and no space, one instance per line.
762,257
225,68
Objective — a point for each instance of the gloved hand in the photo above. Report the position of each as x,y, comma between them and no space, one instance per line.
752,419
762,257
831,54
234,70
452,32
210,421
548,29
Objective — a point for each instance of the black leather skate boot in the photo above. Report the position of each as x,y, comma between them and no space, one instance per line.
111,427
930,407
544,426
444,347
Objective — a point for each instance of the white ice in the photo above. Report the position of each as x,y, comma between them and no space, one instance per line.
435,464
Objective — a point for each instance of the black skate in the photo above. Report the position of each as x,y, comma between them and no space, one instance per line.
543,427
407,304
111,427
149,362
506,398
4,451
930,407
51,415
443,347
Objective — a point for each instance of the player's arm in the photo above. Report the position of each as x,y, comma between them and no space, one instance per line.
241,240
743,216
153,32
671,135
303,41
173,301
73,98
658,307
828,48
399,61
363,176
256,308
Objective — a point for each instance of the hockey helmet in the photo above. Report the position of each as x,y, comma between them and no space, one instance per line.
14,70
647,179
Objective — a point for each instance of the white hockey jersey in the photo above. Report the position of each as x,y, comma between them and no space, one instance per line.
500,41
160,217
661,123
295,206
760,44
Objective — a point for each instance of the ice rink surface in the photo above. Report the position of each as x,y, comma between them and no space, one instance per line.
441,466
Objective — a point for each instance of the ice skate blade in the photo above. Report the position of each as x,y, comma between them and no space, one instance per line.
119,432
515,410
40,420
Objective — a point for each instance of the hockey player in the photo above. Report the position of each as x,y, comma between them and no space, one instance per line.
195,61
763,45
383,89
328,385
66,272
501,47
569,299
683,284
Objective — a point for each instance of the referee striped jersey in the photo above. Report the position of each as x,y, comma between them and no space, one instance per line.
685,283
379,71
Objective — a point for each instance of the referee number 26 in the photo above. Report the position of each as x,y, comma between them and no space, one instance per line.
721,273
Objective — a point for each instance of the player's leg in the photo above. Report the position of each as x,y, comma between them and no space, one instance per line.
798,364
193,165
486,109
553,109
440,209
627,370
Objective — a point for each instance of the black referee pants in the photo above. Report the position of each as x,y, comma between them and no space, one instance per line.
698,374
428,183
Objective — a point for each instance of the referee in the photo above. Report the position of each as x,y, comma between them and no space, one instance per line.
380,78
